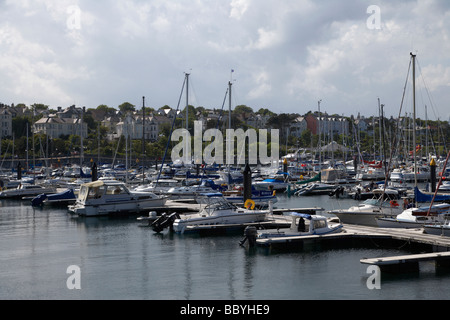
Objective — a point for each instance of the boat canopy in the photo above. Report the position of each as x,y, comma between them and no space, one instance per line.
94,184
301,215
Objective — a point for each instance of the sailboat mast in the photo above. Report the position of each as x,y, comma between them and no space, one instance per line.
229,104
187,101
320,134
414,116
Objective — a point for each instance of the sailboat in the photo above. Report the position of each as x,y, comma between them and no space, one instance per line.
370,211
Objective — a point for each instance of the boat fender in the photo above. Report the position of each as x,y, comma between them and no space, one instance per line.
249,204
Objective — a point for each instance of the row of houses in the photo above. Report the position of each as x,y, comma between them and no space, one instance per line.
68,121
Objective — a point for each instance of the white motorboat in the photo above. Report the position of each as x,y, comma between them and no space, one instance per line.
373,174
26,190
417,217
315,188
367,212
302,225
160,186
219,213
188,192
396,175
422,174
113,197
280,182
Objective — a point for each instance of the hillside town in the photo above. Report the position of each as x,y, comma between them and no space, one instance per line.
103,125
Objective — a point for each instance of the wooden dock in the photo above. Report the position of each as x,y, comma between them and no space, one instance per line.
442,258
437,248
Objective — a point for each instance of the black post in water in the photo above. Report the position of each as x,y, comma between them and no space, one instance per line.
19,171
247,183
433,175
94,172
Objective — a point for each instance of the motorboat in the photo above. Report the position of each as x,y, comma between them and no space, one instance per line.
396,175
417,217
366,212
336,176
26,190
279,183
363,193
160,186
260,197
302,225
193,191
372,174
422,174
105,197
219,213
315,188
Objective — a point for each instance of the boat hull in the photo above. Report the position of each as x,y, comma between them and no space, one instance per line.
116,207
394,223
279,234
189,223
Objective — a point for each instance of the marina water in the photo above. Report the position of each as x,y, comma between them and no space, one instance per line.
119,259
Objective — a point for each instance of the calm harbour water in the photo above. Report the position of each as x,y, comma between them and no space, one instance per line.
119,259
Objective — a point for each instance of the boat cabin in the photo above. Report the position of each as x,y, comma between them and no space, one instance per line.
97,189
302,222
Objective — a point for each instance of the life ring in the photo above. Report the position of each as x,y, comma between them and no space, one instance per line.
394,203
249,204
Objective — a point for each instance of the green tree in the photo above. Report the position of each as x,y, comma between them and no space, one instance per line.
243,109
126,107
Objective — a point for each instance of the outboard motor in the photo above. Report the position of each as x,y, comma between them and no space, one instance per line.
250,234
166,220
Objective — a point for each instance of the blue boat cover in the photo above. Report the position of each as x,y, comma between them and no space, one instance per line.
421,197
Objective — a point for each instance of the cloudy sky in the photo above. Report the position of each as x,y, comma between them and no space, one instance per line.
286,54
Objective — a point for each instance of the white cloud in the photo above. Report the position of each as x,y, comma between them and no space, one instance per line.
238,8
287,54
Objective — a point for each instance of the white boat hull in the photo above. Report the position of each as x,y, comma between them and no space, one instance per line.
395,223
116,207
238,218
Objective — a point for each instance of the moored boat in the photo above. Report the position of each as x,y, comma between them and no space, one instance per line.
367,212
417,217
105,197
302,225
219,212
25,190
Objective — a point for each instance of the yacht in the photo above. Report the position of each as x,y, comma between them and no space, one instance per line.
26,190
219,212
367,212
159,187
105,197
417,217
